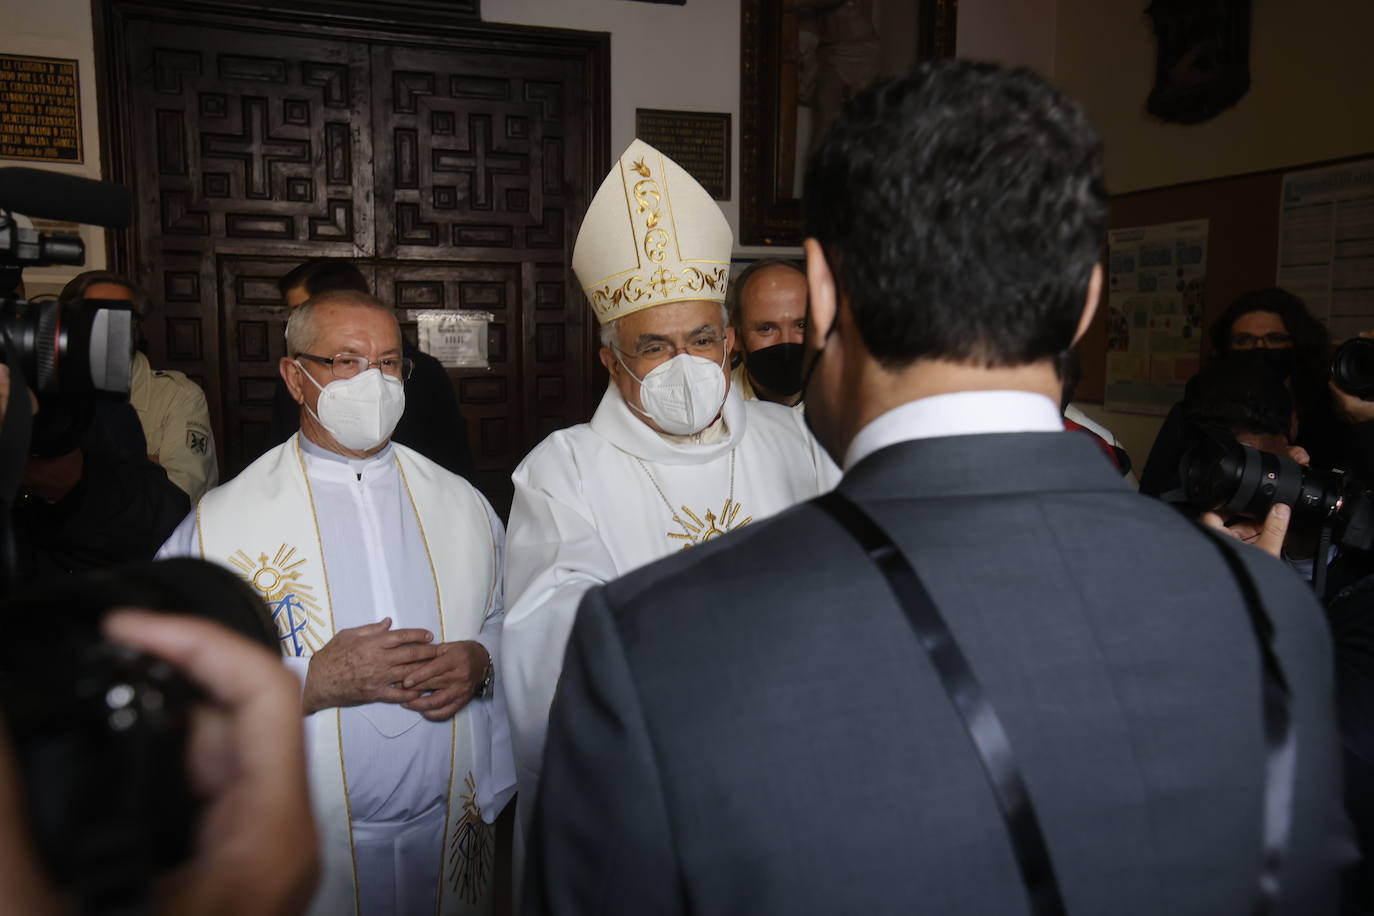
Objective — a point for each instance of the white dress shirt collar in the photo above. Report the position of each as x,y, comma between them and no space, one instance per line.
964,413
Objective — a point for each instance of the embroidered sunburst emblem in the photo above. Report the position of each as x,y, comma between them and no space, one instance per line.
472,850
294,608
700,529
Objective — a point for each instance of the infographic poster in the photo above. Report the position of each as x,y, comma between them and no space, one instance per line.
1326,244
1155,280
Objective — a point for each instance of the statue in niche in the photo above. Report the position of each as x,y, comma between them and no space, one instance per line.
846,58
1202,64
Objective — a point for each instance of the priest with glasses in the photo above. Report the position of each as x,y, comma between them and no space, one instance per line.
673,457
381,571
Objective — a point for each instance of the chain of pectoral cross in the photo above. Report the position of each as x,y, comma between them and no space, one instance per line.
710,516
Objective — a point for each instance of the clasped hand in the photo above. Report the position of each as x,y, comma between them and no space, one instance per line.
376,664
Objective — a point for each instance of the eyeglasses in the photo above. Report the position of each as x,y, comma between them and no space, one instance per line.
1270,341
347,365
705,345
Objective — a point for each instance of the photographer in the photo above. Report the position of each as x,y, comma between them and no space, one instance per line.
1272,330
255,850
1252,404
89,496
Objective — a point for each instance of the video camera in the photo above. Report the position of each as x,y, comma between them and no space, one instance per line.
66,352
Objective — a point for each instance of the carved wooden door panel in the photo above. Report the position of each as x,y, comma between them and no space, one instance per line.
454,176
245,144
480,173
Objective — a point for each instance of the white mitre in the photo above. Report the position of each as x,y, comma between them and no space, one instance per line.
652,235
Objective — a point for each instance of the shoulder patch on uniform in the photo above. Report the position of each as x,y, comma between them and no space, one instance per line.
197,441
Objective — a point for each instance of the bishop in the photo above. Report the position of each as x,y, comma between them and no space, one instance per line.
673,456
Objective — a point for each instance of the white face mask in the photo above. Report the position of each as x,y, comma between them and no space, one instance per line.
682,395
360,412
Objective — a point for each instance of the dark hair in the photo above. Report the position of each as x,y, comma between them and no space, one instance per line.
1310,339
962,209
736,290
1239,396
76,288
324,275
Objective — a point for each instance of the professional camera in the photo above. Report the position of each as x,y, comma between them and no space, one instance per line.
1220,474
100,731
1352,368
63,348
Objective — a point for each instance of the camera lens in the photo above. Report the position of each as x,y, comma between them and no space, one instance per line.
71,348
1352,368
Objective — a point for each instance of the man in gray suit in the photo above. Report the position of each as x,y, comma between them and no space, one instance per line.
1102,709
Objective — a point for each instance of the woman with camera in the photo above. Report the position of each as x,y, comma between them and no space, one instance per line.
1272,330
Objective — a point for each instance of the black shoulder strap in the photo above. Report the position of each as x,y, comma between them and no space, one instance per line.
989,738
1280,737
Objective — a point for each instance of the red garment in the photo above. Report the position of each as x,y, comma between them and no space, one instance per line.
1113,455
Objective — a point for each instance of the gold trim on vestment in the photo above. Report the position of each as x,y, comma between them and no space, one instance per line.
453,720
338,713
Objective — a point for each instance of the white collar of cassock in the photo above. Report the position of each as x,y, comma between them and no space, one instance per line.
330,466
615,422
961,413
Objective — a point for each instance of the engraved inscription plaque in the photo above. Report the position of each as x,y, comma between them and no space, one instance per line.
699,141
40,109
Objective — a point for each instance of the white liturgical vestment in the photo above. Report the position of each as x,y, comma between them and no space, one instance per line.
597,500
403,804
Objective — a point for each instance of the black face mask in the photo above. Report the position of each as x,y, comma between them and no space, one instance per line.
777,369
1281,361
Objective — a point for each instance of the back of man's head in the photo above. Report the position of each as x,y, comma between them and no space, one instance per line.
323,275
962,210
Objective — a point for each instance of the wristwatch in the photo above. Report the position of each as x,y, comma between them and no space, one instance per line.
484,688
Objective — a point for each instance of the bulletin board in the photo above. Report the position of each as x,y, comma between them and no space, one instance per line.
1242,250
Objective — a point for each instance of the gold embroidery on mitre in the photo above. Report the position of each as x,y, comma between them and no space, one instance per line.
294,609
472,848
664,286
701,529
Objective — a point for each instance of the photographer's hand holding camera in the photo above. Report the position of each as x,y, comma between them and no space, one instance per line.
255,846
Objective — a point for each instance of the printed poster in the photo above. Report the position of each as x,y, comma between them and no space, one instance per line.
1155,280
1326,244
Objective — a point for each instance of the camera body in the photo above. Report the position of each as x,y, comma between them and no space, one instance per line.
100,732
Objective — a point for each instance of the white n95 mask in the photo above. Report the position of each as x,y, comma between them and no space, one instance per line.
682,395
360,412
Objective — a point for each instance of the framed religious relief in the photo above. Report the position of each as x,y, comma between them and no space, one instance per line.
1202,59
800,60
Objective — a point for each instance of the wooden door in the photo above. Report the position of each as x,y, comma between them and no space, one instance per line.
452,166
